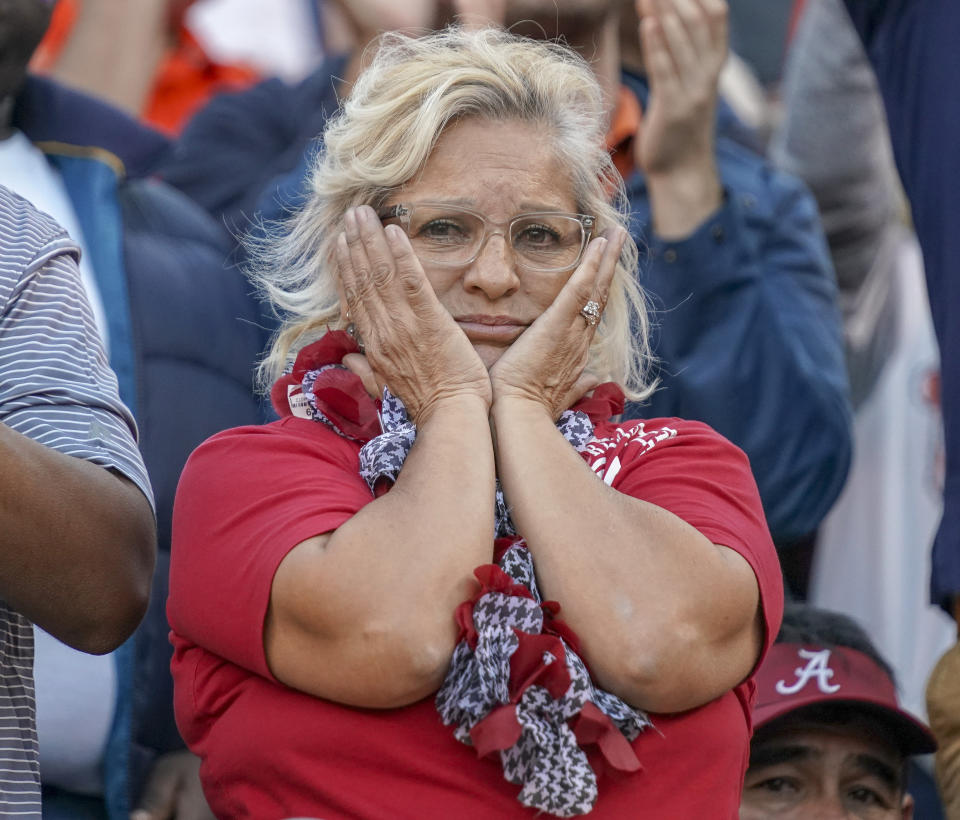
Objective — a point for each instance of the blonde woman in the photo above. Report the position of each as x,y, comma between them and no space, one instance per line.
447,583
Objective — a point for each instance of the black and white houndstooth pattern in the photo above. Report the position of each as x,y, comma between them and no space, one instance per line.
478,680
383,456
546,760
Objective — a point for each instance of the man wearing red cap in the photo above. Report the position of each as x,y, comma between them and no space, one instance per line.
830,739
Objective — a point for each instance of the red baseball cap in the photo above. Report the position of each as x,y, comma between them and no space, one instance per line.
794,676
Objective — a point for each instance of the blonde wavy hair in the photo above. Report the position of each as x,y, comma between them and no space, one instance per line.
386,131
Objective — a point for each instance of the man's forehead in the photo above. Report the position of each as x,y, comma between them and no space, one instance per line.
858,740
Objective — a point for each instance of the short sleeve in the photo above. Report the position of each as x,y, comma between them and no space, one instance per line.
695,473
56,386
246,497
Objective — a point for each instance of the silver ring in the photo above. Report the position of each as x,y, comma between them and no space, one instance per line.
591,312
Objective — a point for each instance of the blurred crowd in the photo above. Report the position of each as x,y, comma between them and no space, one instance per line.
800,274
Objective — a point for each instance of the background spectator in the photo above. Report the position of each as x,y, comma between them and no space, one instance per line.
830,739
872,560
77,540
182,332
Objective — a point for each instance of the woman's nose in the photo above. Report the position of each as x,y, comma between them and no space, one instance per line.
494,271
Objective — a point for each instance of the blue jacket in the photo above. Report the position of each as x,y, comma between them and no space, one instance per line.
245,154
912,45
184,332
749,334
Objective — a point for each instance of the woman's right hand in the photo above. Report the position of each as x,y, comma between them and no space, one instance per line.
411,342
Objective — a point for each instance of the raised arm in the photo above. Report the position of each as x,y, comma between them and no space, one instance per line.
667,620
749,337
364,615
750,342
684,46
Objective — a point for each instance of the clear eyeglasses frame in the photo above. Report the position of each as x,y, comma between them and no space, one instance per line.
451,236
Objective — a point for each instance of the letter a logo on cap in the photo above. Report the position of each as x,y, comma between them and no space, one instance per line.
816,668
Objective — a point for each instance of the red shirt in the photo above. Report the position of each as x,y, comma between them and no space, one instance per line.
247,496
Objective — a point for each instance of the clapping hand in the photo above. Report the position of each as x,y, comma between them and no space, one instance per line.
684,49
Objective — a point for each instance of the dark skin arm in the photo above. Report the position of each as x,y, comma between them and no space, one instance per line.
77,545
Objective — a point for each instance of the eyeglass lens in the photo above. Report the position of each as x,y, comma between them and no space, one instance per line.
449,236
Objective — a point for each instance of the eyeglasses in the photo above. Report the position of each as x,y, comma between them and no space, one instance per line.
447,235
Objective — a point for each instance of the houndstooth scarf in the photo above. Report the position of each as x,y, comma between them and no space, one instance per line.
516,684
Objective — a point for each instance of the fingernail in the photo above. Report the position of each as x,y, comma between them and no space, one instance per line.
350,219
394,234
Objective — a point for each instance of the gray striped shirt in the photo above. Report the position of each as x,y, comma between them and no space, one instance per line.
56,388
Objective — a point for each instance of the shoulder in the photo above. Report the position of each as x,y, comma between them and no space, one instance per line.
759,189
627,441
23,228
264,452
153,208
289,434
689,469
258,491
292,470
48,112
29,239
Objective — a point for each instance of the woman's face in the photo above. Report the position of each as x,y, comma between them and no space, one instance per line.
499,170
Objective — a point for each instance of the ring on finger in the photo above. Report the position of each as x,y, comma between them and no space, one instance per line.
591,312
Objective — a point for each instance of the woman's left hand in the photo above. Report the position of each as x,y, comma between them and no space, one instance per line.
547,363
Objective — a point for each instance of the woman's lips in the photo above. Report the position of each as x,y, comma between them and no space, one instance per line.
482,328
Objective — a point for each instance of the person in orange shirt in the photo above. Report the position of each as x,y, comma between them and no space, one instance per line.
141,57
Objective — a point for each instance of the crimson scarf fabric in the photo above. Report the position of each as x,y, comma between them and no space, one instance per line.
516,683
